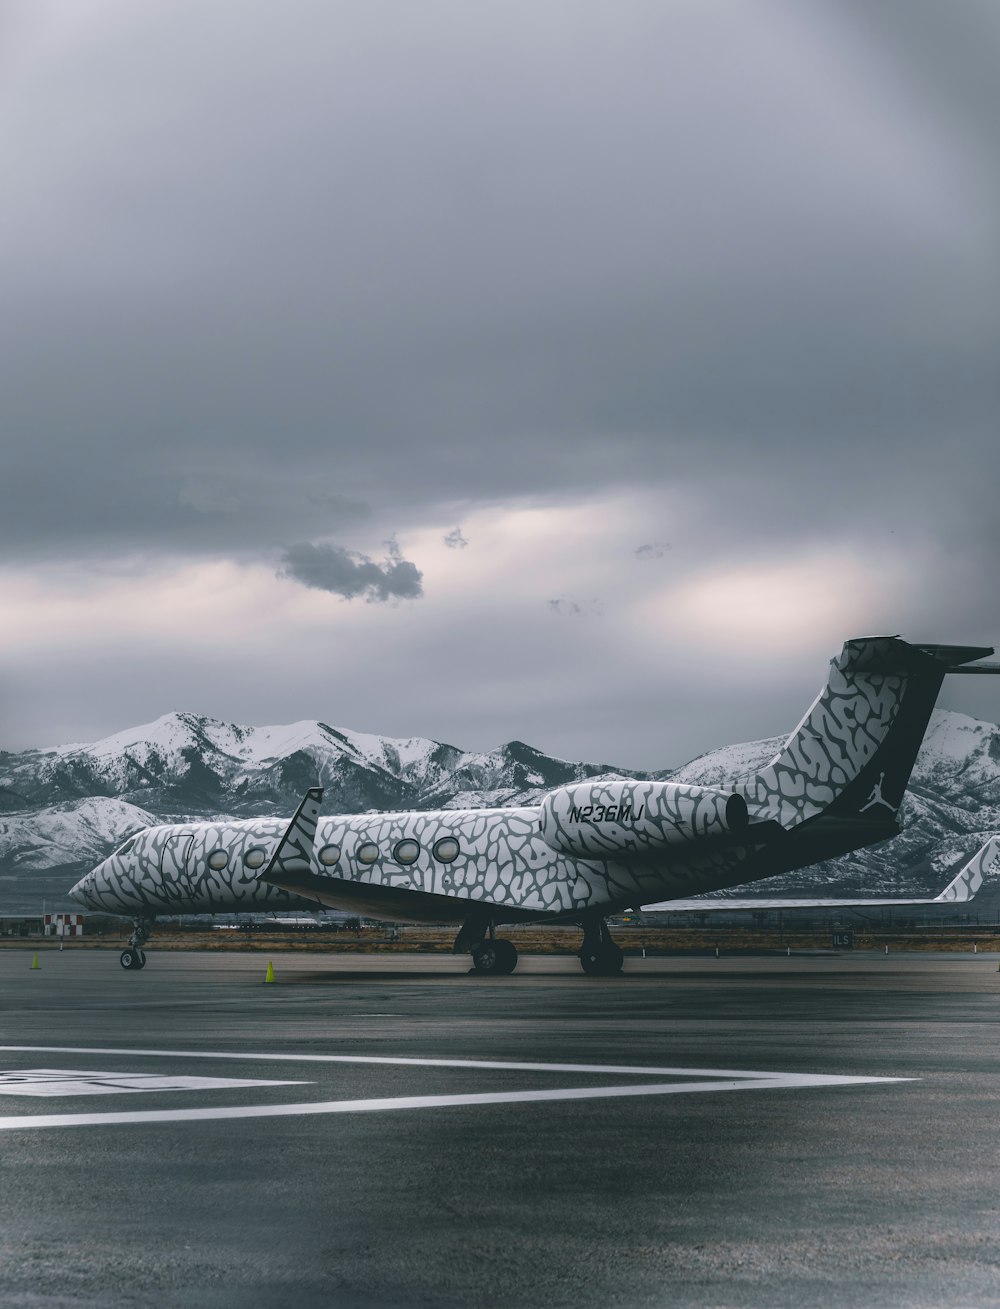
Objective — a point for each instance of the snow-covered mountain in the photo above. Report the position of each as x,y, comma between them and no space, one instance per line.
63,808
82,831
186,764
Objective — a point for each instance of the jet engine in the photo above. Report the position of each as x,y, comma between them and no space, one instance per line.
616,818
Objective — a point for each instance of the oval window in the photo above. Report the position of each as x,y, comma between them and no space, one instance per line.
218,860
330,855
406,852
254,858
446,850
367,853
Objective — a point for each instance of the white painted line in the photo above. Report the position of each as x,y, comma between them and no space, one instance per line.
139,1117
66,1081
623,1070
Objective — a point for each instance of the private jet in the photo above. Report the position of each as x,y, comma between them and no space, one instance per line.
588,850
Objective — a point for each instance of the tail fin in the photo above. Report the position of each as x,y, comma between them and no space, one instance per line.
852,754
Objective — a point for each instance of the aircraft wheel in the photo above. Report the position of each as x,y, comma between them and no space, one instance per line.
606,960
506,952
132,958
495,958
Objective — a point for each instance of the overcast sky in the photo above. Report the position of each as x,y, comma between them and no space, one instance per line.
582,373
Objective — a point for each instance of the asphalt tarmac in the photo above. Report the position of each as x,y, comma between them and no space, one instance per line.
376,1131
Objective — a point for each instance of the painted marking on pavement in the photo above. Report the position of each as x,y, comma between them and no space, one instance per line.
720,1080
618,1070
67,1081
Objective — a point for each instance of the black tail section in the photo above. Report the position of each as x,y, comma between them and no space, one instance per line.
852,755
877,790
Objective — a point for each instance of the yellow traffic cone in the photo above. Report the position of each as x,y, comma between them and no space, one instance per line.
269,975
34,962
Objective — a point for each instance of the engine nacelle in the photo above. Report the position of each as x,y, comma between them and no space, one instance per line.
613,819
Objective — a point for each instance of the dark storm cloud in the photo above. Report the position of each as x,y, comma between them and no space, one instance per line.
349,574
446,254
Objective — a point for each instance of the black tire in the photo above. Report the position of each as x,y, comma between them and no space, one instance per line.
506,954
606,961
484,957
129,959
494,958
141,960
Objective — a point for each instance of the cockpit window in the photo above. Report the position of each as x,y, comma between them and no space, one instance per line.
127,847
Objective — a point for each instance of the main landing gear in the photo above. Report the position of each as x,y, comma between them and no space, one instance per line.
599,956
134,957
491,957
496,957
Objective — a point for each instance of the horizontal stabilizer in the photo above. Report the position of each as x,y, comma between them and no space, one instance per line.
960,658
989,669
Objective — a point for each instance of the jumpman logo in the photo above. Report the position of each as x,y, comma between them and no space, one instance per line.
876,797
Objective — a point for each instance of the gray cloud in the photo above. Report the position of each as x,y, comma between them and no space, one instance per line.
454,539
568,607
349,574
403,267
405,263
652,550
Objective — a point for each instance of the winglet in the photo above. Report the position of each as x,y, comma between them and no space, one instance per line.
966,885
294,851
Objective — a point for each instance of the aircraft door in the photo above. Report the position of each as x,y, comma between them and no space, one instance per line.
175,875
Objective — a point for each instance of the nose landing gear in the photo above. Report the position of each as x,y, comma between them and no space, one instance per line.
134,957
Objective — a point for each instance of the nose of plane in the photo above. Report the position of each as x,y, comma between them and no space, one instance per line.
83,891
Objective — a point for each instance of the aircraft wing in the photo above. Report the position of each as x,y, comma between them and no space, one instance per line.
295,849
963,888
291,868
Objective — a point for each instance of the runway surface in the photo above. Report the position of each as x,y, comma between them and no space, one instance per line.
390,1131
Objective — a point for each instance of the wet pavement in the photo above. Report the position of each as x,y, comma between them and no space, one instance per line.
375,1130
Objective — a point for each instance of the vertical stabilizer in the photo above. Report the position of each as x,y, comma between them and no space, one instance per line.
852,754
